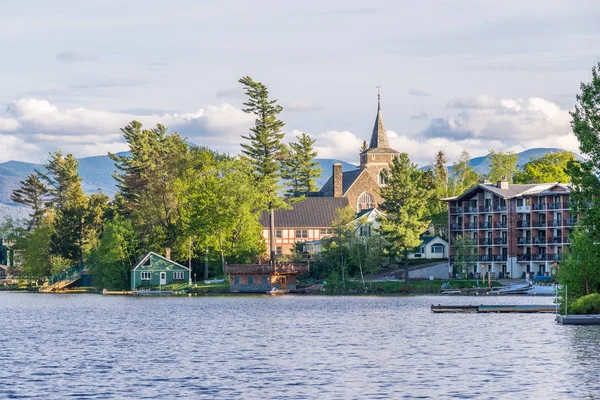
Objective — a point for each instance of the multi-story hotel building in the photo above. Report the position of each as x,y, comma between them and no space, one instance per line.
515,229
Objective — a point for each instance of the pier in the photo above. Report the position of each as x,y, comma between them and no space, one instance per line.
483,309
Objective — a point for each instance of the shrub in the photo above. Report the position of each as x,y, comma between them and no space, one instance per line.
589,304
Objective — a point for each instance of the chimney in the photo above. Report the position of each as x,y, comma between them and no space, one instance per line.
337,180
503,184
168,253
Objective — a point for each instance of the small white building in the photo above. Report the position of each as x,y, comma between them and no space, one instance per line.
432,247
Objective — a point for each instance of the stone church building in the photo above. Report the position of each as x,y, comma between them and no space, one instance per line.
361,186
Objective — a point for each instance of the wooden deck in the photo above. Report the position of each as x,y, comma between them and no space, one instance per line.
267,269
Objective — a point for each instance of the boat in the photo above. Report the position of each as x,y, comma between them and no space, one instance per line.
277,292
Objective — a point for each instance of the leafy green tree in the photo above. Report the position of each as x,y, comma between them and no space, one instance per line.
551,167
502,165
36,251
32,193
463,175
580,272
299,168
336,251
264,147
465,251
405,205
69,203
110,263
220,207
585,193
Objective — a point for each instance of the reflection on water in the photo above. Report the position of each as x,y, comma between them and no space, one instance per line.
90,346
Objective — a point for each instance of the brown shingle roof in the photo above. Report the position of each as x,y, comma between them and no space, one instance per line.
317,212
348,179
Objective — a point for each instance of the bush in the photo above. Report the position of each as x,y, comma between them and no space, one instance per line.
589,304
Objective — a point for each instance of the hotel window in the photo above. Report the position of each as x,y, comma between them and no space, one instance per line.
178,275
146,276
278,234
301,234
250,280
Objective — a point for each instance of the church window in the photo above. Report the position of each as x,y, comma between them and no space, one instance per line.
383,177
365,201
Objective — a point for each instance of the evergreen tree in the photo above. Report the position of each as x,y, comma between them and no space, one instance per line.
441,185
364,146
146,178
299,167
69,204
551,167
264,147
32,193
405,205
502,166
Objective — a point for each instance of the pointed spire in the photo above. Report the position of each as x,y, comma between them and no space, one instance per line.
379,137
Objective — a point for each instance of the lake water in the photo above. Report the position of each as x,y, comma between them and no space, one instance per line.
92,346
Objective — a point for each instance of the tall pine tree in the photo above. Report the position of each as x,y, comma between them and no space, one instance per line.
299,166
32,193
405,205
264,148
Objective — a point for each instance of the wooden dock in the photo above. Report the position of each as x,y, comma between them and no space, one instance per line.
483,309
589,319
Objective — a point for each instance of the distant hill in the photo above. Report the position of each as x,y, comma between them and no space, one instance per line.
97,171
481,165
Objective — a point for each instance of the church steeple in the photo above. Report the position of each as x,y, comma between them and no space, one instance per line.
379,137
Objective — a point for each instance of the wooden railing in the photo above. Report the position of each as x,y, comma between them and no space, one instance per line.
266,269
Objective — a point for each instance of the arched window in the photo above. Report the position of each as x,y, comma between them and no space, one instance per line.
383,176
365,201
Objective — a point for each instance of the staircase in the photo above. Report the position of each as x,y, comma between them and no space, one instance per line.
63,279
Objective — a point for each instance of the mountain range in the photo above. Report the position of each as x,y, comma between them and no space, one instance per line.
96,173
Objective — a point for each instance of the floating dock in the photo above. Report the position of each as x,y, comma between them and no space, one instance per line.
482,309
589,319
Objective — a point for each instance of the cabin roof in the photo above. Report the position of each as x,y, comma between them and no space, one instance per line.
157,262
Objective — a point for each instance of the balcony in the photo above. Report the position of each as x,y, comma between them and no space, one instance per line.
486,257
499,241
539,224
524,240
472,210
538,206
523,209
488,209
486,225
471,225
500,208
555,206
456,210
501,224
500,257
487,242
524,224
524,257
455,227
539,240
558,240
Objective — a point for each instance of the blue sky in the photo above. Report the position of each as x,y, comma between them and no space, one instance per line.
456,75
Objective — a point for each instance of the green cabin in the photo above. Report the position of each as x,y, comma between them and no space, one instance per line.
156,270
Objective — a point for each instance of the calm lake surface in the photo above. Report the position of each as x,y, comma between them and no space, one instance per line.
92,346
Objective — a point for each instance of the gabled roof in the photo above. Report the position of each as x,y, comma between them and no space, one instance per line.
428,239
514,190
312,212
153,254
348,179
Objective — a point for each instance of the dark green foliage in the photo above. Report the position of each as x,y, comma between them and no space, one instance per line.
406,199
32,193
110,263
299,169
264,148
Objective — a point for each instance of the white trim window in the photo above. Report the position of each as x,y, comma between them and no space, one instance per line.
437,249
301,234
178,275
146,276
